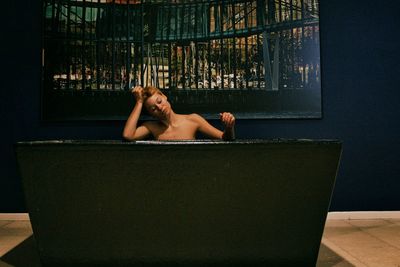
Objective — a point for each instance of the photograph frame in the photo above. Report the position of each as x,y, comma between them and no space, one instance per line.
205,56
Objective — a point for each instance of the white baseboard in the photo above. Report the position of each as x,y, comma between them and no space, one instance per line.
14,217
363,215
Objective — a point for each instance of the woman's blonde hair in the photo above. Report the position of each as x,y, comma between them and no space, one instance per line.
148,91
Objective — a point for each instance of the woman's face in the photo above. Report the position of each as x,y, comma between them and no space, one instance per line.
158,106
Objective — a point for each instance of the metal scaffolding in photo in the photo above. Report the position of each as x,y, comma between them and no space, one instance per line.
251,56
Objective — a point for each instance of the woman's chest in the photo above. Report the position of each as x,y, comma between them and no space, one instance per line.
182,132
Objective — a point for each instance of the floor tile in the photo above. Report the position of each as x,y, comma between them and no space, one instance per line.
4,222
388,233
328,258
19,225
17,228
9,242
366,248
342,253
337,223
338,228
369,223
394,221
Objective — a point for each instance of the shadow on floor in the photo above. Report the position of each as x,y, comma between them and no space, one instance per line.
25,254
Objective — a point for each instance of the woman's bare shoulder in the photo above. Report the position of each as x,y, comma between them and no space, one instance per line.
197,119
194,117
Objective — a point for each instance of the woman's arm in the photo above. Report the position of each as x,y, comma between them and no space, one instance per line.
229,122
131,131
206,128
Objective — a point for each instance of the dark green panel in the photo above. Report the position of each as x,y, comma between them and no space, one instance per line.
243,202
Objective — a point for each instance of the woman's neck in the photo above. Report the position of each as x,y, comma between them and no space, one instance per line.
171,119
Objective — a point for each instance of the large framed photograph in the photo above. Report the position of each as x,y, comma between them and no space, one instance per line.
254,58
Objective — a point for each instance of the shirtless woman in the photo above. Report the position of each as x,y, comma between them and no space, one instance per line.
169,125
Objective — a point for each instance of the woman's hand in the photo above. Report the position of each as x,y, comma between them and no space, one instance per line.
227,119
137,92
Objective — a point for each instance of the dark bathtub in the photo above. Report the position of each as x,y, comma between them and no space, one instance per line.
258,202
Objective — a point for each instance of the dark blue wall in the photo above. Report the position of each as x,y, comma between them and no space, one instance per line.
361,93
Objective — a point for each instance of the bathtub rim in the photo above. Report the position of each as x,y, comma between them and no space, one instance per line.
179,142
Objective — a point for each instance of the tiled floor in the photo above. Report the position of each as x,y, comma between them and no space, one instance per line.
373,242
364,242
13,233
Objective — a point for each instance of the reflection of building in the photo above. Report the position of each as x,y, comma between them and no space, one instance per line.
180,45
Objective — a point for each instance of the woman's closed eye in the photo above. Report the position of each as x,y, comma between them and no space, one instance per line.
153,108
